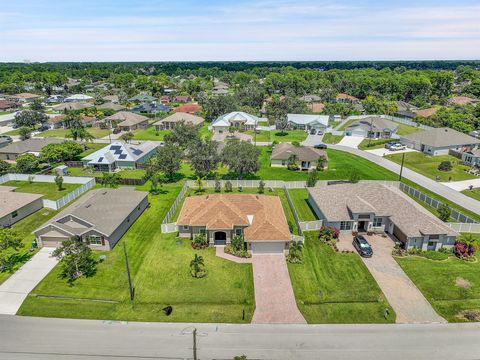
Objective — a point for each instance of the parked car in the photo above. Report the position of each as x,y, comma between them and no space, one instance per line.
362,246
389,144
116,130
6,137
320,146
320,132
43,128
397,147
313,132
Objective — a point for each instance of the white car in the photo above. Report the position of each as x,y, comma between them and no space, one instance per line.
397,147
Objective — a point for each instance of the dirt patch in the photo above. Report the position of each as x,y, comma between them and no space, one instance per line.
463,283
469,315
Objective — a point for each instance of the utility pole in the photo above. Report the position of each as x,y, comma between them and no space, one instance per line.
401,167
370,135
195,344
130,285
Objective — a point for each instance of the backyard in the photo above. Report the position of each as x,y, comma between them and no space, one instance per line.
97,133
300,201
428,165
49,190
159,265
150,133
333,287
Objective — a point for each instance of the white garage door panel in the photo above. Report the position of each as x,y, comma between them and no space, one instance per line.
52,241
268,247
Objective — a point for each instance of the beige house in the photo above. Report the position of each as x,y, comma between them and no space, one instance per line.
14,206
307,158
101,216
378,208
128,121
32,146
173,120
258,218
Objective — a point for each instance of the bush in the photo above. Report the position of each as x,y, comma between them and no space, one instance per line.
312,178
199,241
261,187
228,186
27,163
445,166
238,253
354,177
434,255
464,250
293,167
444,212
296,143
328,233
218,187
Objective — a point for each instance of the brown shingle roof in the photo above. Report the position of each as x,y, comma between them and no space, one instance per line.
262,215
127,118
462,100
283,151
179,117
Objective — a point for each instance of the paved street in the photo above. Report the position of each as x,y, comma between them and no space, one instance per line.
16,288
432,185
43,338
463,185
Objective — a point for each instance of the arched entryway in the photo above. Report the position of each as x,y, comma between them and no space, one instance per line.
220,238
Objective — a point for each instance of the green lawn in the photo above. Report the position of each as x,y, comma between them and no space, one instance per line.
329,138
24,229
437,281
150,134
205,133
300,201
261,136
333,287
126,173
428,166
49,190
97,133
91,148
475,193
159,266
369,144
407,129
291,135
16,131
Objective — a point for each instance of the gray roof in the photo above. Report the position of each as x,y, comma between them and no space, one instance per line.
304,119
337,203
102,210
30,145
127,118
376,123
110,105
440,137
283,151
72,106
180,116
11,200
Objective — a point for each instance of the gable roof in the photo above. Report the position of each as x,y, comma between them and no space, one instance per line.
188,108
11,201
79,97
34,145
111,105
283,151
127,118
305,119
438,137
72,106
226,119
102,210
337,203
426,112
262,215
150,108
121,151
182,117
343,96
375,123
142,98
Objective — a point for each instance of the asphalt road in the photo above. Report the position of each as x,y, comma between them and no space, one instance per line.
436,187
43,338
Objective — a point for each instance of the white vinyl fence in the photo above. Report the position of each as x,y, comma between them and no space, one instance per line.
86,184
465,227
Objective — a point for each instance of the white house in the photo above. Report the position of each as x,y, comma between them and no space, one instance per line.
308,122
78,97
237,119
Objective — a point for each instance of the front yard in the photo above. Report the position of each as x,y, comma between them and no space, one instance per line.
49,190
329,138
451,285
150,134
474,193
97,133
428,165
288,135
335,287
159,266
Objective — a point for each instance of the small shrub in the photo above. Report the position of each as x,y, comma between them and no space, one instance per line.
464,250
445,166
218,186
296,143
354,177
199,241
328,233
228,186
444,212
261,187
293,167
312,178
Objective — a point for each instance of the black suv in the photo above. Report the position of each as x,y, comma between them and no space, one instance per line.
320,146
362,246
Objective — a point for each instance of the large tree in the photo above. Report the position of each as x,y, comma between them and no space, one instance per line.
5,167
27,163
29,118
213,107
184,135
76,259
204,157
167,160
68,150
241,157
10,242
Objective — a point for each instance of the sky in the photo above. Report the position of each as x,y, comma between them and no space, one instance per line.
241,30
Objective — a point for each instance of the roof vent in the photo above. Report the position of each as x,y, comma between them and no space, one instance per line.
88,205
250,219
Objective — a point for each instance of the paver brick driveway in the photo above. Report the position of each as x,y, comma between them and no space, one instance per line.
274,298
402,294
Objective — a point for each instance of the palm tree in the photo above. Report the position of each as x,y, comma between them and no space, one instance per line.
295,252
292,159
127,136
196,266
199,183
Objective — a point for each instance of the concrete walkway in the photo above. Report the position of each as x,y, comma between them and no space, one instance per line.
351,141
462,185
14,291
274,298
432,185
220,252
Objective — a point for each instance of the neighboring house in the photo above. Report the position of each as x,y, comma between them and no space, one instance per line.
306,157
462,100
472,157
25,97
8,105
173,120
345,98
32,146
237,120
406,110
188,108
310,98
377,208
143,98
258,218
165,99
71,106
78,98
111,98
316,107
152,108
121,155
14,206
53,99
111,105
219,91
439,141
128,121
59,121
308,122
4,141
181,99
426,112
372,127
100,217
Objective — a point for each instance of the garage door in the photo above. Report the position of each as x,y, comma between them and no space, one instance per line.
49,241
399,234
273,247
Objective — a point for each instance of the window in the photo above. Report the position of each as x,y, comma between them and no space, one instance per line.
185,227
203,231
377,222
283,162
238,232
95,240
345,225
14,214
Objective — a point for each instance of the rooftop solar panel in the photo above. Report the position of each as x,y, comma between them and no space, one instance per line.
100,159
123,156
115,147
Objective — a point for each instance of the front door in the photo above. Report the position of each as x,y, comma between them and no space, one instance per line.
305,164
362,226
431,245
220,238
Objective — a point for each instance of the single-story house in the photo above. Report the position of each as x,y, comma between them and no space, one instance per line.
306,157
171,121
378,208
78,98
165,99
111,98
152,108
372,127
345,98
260,219
439,141
219,91
143,98
58,121
316,107
71,106
14,206
100,217
236,119
128,121
188,108
4,141
53,99
308,122
25,97
406,110
426,112
181,99
111,105
33,146
8,105
472,157
121,155
310,98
